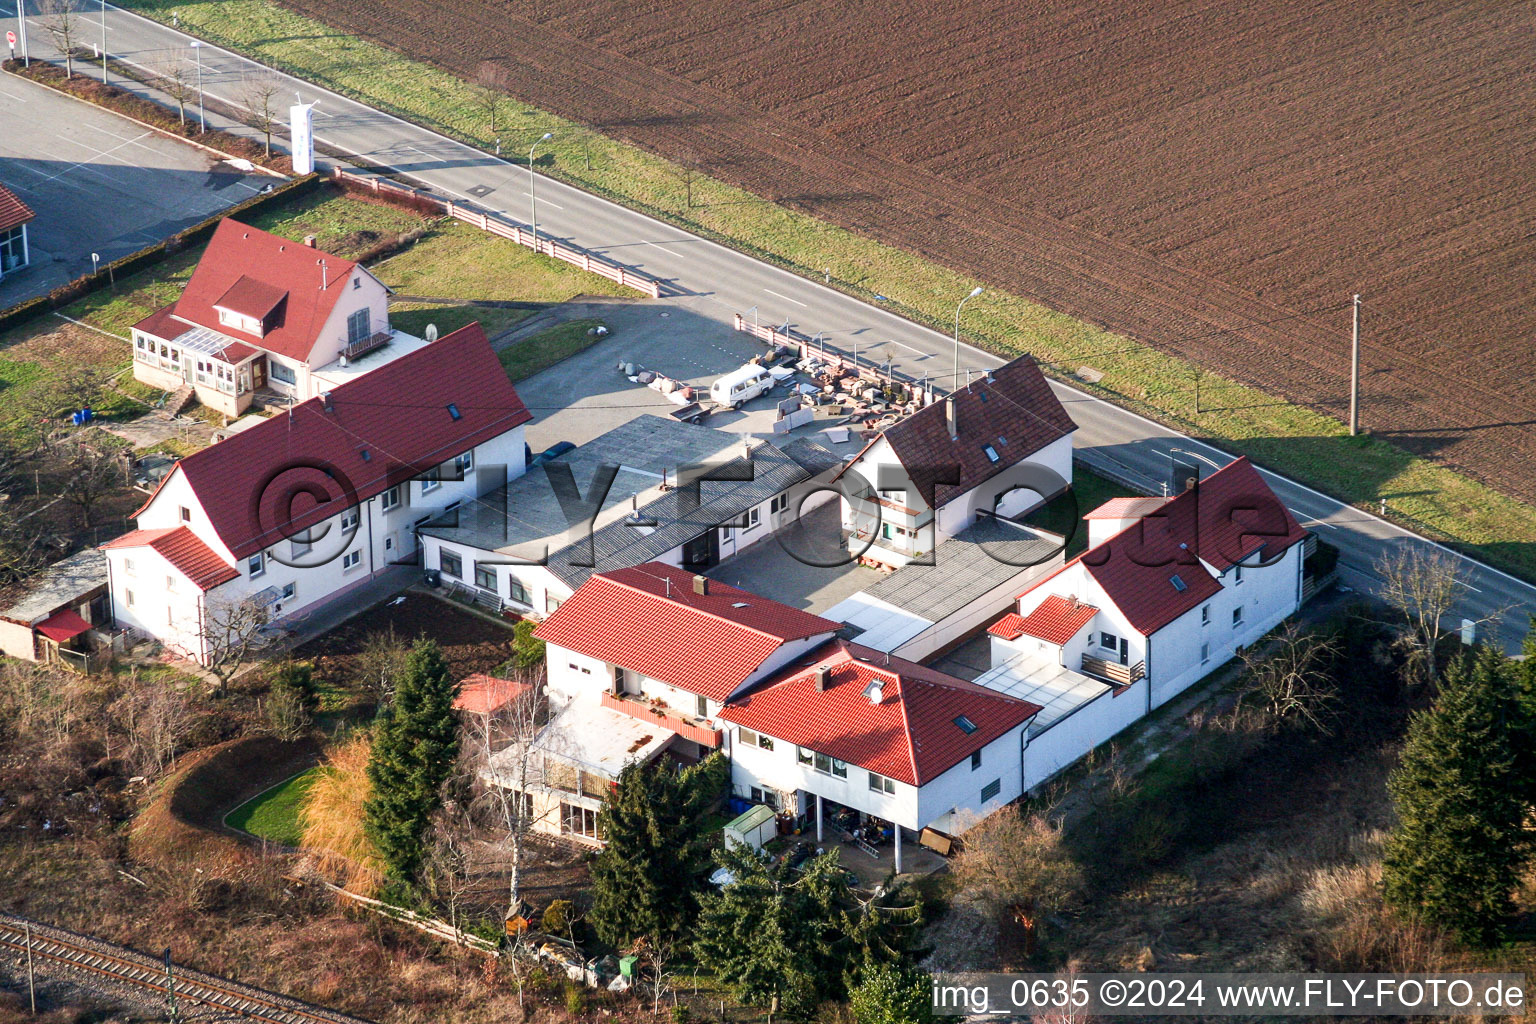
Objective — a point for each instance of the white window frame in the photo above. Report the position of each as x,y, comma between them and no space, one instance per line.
288,592
442,555
256,565
1205,653
1205,614
1237,616
751,520
432,479
518,588
880,784
351,560
349,519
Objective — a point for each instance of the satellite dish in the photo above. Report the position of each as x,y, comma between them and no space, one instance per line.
431,332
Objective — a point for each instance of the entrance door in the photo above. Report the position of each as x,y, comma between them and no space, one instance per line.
1125,651
259,372
703,551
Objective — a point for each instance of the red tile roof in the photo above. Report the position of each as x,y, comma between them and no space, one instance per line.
270,265
648,619
1056,620
13,212
384,428
485,694
1230,516
911,734
62,626
253,298
1013,410
185,551
1126,508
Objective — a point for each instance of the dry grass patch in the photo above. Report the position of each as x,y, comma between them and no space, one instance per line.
331,819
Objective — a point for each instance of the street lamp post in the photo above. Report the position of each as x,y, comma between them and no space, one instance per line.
533,208
103,42
21,25
202,111
954,384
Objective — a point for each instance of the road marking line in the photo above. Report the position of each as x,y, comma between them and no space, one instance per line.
1309,519
103,153
546,202
669,252
786,298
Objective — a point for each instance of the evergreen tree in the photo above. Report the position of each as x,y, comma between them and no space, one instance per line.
646,880
788,940
295,680
414,746
892,995
1455,857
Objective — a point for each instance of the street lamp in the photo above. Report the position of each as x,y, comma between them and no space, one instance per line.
202,111
955,380
103,42
21,25
533,208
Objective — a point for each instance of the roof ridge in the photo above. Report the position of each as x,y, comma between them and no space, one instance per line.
607,578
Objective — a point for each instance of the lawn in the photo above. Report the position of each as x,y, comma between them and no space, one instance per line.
274,815
547,348
1064,514
451,262
1308,446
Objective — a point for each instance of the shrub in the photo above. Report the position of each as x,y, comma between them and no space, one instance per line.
892,995
681,1014
575,999
332,818
557,917
527,649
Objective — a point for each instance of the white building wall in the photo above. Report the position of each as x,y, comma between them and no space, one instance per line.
961,512
778,770
362,290
1266,595
142,600
952,802
1074,736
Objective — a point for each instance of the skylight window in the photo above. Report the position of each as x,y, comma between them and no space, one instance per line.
739,604
992,455
453,410
366,454
966,725
1178,583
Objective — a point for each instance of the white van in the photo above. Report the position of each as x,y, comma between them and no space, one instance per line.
741,385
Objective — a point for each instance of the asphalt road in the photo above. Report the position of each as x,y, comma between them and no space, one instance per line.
1136,448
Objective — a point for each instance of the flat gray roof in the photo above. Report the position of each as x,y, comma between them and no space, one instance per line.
968,566
525,519
63,583
1044,681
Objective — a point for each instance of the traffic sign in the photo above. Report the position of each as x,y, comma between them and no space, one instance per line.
10,38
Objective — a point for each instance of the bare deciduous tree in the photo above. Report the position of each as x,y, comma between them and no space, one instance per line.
154,718
503,768
687,169
489,91
1016,864
263,111
1290,675
62,24
381,662
232,631
176,76
446,871
1422,583
91,475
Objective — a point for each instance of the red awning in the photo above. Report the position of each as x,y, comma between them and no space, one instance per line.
62,626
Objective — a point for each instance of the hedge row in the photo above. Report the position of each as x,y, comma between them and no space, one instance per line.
150,255
149,111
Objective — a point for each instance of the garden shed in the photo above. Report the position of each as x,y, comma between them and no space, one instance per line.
754,828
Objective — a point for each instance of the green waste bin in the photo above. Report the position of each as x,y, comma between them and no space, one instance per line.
627,966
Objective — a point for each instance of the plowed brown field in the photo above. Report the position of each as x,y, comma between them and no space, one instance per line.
1166,169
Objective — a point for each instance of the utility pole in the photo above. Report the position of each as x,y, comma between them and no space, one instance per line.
1354,373
103,42
21,24
31,985
170,985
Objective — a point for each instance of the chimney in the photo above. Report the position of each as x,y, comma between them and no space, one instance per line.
951,419
822,672
701,585
309,240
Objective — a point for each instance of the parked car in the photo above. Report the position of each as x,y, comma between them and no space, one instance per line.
741,385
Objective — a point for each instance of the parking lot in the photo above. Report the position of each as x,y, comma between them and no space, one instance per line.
99,183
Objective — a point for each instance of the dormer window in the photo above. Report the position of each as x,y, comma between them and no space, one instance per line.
239,321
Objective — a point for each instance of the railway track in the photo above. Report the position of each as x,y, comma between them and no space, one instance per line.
198,996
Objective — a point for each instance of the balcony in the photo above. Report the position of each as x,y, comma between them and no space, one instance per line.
687,726
366,345
1113,671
